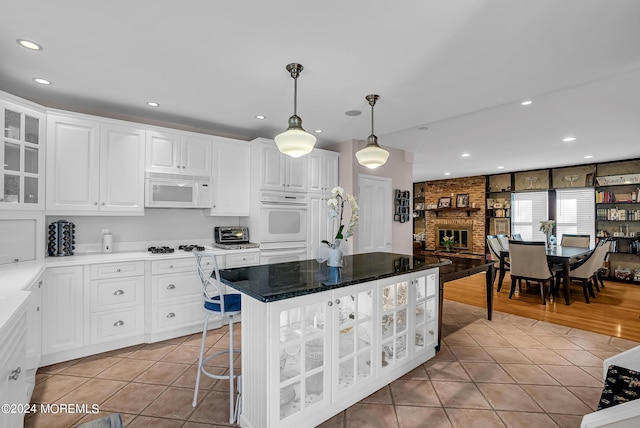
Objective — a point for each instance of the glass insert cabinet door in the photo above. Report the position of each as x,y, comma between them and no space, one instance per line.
425,305
21,157
304,356
353,337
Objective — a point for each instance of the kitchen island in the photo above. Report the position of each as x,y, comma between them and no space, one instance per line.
316,340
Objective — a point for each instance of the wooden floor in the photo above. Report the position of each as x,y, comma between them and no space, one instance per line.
615,311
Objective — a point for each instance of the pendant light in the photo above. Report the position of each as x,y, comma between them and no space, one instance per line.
372,156
295,141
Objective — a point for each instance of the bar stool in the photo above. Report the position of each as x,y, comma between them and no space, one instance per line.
213,292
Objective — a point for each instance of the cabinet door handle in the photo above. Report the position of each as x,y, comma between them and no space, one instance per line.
337,301
183,166
118,323
15,374
171,287
170,266
330,303
178,167
118,270
40,284
102,203
118,293
171,315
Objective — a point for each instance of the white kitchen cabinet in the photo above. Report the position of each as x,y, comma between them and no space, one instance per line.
320,226
22,235
176,298
322,171
12,371
33,340
326,351
116,293
93,167
179,153
231,177
279,171
21,157
63,318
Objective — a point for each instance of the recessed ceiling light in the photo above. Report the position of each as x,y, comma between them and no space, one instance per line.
447,173
588,156
318,131
29,44
153,104
465,155
260,117
41,81
569,139
353,112
526,103
501,167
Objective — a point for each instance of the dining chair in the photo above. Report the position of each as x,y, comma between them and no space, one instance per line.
504,241
603,268
581,241
586,270
493,244
528,261
226,306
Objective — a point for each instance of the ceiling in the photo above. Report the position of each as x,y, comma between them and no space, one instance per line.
459,68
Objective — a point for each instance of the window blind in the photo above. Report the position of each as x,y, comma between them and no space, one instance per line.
528,209
575,212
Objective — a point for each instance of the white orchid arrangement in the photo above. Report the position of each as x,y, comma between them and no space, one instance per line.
336,210
546,226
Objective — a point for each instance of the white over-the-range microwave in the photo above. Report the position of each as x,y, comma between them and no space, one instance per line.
177,191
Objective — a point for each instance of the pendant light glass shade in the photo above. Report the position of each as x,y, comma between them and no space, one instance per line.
295,141
372,156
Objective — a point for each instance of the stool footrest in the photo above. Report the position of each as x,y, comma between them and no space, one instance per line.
215,376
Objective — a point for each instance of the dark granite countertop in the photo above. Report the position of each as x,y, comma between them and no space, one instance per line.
280,281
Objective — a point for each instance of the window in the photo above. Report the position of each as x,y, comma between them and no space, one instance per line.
575,210
528,209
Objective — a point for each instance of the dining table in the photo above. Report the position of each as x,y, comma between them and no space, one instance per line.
556,255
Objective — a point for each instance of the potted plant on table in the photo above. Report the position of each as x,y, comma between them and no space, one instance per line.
447,242
336,210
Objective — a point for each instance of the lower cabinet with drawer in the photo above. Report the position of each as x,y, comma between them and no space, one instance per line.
176,299
116,291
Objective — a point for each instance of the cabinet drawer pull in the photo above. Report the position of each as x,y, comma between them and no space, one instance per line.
95,203
118,270
15,374
102,203
171,315
118,293
171,287
330,303
118,323
337,301
170,266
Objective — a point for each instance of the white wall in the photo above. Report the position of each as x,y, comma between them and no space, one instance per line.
399,168
157,225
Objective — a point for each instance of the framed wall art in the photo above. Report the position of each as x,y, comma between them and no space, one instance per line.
444,202
462,200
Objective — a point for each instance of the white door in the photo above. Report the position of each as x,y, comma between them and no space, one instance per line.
374,199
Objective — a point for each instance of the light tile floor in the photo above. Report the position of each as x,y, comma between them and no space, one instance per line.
512,371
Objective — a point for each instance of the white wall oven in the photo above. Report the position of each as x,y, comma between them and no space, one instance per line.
282,227
283,218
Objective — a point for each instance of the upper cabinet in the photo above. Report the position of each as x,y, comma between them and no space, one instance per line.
21,158
279,171
179,153
322,171
94,167
231,177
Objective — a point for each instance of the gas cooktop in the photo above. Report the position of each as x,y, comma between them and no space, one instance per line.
169,250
